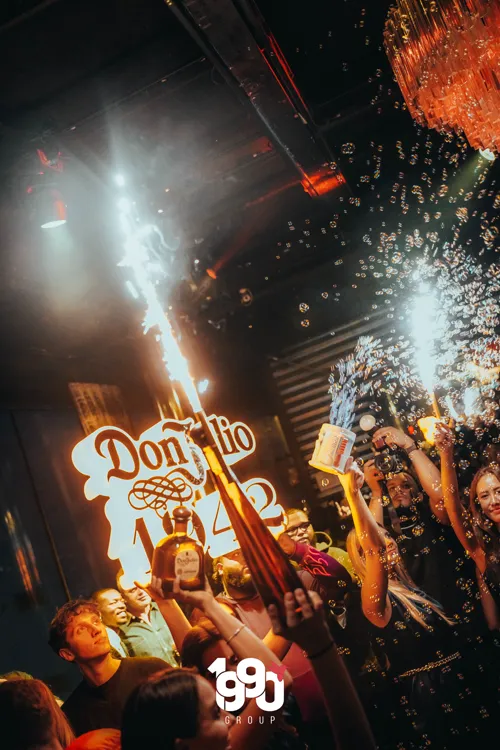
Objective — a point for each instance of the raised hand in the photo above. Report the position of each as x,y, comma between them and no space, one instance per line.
304,622
287,544
199,599
373,476
393,437
443,438
353,478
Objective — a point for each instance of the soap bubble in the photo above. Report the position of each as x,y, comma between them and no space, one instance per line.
348,148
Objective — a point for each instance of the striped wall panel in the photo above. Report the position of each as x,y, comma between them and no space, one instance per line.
301,376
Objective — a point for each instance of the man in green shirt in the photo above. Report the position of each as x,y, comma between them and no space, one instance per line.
145,633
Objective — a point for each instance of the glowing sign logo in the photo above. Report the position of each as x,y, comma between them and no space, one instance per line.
145,479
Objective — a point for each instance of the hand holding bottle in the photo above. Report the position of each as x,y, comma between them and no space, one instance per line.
287,544
200,598
353,478
304,622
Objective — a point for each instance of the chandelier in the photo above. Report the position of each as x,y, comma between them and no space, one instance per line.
445,55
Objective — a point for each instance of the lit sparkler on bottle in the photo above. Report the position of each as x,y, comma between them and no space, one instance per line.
272,572
147,274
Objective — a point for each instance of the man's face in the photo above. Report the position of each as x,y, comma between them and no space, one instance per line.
299,528
136,600
400,490
112,608
234,571
86,638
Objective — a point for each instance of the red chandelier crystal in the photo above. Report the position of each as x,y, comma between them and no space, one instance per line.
445,55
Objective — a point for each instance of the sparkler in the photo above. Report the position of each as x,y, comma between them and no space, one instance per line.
350,379
148,272
471,396
427,325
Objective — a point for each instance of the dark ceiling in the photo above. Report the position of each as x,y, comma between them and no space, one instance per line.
223,150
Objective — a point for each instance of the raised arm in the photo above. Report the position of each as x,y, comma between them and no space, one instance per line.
376,605
249,733
308,629
426,471
373,478
490,609
458,515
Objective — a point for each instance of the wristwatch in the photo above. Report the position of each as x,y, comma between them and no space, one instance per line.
413,447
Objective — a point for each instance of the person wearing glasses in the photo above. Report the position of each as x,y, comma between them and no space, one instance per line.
299,527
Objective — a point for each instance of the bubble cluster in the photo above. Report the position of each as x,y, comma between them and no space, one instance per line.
348,148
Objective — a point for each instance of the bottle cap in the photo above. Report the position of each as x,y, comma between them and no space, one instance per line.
182,514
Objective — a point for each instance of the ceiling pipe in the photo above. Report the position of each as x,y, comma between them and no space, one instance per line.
226,36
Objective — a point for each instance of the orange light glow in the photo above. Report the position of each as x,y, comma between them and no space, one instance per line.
321,182
445,58
428,427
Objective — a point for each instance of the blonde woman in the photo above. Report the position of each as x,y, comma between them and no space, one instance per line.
435,677
478,526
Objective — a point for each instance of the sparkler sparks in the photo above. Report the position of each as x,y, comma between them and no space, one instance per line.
350,378
425,330
147,272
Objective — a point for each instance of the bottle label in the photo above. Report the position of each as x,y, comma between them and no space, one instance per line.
187,565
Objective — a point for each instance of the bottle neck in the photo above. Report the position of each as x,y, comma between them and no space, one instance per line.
213,453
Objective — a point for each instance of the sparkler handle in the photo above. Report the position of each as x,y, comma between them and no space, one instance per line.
435,405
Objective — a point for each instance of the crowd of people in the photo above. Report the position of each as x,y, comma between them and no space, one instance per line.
390,643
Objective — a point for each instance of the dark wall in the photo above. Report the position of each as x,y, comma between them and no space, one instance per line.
52,540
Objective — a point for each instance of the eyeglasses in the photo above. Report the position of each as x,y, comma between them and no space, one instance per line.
301,527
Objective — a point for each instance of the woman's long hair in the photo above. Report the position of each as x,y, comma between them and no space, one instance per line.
161,710
401,586
485,530
31,717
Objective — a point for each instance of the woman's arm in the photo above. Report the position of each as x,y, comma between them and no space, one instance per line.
308,629
490,609
373,478
248,734
426,471
245,735
458,515
376,605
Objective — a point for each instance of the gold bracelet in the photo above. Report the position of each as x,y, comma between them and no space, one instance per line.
431,665
236,632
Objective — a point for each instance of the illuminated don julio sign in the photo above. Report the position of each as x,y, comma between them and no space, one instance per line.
145,479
